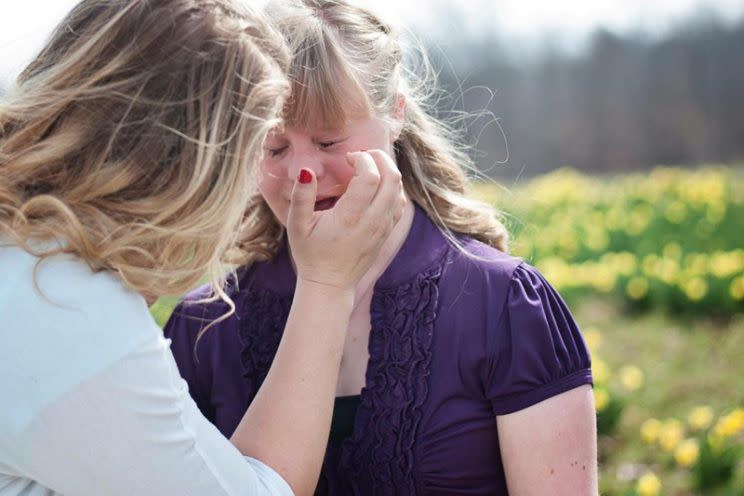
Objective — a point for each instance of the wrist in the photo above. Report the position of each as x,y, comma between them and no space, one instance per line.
338,295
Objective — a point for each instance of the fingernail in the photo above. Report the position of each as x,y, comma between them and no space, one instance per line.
305,176
363,150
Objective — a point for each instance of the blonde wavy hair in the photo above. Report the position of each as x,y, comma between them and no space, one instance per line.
346,59
131,139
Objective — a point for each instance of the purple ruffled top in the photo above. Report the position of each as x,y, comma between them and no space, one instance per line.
455,341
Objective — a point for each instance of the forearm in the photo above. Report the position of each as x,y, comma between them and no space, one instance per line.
288,422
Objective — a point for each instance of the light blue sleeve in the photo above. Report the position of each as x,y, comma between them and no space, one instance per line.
134,429
93,401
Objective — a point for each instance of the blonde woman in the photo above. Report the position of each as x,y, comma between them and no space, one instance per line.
463,371
126,156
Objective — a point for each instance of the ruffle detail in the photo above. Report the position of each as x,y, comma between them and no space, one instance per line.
263,318
380,454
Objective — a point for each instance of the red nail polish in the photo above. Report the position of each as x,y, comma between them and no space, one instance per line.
305,176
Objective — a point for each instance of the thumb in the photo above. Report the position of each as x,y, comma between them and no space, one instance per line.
302,203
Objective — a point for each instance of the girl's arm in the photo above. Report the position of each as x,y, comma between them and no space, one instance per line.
287,424
551,447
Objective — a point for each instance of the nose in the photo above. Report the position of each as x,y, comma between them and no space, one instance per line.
306,159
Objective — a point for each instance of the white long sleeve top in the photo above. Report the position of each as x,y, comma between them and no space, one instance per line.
92,402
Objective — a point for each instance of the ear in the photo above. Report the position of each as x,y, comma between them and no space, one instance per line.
398,117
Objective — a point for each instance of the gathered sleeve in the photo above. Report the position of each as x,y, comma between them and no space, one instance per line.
536,350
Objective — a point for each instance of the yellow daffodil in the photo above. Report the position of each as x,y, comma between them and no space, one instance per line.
696,288
687,452
650,430
671,434
700,417
676,212
737,288
731,424
648,485
631,377
600,371
601,398
637,288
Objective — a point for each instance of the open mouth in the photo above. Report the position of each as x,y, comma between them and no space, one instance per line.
326,203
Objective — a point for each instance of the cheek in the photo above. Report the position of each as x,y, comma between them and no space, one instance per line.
369,141
373,136
339,170
274,190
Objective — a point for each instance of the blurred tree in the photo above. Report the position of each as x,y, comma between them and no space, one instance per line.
627,102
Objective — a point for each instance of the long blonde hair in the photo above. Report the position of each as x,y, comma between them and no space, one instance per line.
132,136
346,59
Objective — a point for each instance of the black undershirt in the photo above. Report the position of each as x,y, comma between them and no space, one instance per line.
342,422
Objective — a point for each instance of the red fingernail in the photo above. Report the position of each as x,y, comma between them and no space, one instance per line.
305,176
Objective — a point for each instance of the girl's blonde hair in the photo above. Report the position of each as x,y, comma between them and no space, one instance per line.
346,61
130,140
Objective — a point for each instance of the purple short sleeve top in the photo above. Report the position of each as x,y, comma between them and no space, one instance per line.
455,341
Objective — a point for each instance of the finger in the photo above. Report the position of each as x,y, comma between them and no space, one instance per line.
390,197
386,208
389,173
383,215
383,160
361,189
302,202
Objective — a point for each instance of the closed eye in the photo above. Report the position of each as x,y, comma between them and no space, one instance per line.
328,144
275,152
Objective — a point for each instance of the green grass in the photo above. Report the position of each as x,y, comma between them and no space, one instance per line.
162,309
686,363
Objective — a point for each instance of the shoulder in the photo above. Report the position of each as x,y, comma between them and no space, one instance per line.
62,291
521,336
477,276
202,305
477,266
63,324
250,295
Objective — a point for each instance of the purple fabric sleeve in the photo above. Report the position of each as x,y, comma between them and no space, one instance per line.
537,350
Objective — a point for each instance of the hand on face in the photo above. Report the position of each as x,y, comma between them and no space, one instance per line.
336,247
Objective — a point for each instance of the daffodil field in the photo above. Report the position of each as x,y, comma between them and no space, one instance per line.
672,239
653,264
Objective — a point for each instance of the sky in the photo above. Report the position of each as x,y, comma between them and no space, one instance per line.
25,24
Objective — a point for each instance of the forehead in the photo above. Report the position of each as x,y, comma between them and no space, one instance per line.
311,129
323,98
319,126
318,113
